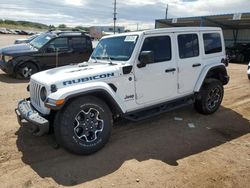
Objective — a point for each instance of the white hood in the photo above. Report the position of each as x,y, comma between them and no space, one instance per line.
76,74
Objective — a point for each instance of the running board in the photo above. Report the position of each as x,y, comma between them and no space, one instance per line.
161,108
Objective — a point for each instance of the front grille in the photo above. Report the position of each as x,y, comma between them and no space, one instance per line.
35,93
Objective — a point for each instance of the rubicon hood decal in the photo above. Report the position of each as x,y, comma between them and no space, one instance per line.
75,74
86,79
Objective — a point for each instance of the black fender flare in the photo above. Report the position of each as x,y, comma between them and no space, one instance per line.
218,72
21,61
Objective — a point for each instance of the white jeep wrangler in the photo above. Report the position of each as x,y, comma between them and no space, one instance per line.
132,75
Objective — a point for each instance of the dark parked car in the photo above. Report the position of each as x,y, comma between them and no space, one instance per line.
46,51
26,40
239,53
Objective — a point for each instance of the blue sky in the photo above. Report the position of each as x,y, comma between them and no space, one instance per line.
130,12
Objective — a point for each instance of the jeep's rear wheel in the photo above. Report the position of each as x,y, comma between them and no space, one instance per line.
84,125
210,97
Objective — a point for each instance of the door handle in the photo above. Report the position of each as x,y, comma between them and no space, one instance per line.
170,70
196,65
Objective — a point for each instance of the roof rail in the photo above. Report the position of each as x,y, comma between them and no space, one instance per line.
70,33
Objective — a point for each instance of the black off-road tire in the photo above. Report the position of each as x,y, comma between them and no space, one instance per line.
210,97
248,76
74,122
25,70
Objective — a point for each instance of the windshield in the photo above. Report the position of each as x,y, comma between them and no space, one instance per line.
41,40
32,37
115,48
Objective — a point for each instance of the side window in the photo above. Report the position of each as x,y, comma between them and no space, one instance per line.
161,46
188,45
212,43
60,44
79,43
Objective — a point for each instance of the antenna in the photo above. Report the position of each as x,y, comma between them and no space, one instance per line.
166,16
115,13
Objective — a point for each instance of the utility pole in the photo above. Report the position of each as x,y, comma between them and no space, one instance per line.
115,13
166,16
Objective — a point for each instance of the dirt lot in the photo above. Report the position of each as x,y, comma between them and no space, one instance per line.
160,152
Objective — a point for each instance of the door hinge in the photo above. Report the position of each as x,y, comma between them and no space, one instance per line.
178,86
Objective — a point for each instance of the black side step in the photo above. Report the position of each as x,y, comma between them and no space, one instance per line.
161,108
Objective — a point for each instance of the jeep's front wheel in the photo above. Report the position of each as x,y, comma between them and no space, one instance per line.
210,97
84,125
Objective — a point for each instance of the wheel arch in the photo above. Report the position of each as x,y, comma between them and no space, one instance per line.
218,72
102,94
20,63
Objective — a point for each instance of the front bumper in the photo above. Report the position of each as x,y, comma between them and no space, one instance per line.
7,67
25,111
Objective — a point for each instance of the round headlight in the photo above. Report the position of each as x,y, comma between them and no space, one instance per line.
43,94
7,58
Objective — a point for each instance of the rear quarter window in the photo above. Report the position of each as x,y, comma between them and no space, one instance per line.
79,42
212,43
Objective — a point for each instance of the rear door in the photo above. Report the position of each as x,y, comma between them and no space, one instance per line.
189,61
81,48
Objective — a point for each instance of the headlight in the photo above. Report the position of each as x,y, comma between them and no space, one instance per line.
8,58
43,94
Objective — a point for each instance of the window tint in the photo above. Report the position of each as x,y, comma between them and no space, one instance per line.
212,43
188,45
161,46
78,42
60,43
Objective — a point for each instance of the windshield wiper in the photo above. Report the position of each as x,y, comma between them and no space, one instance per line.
110,61
32,45
103,58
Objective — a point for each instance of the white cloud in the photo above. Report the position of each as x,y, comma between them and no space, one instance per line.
130,12
74,2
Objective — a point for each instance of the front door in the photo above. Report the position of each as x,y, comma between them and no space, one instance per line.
57,53
157,82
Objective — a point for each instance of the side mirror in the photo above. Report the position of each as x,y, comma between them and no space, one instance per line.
51,49
146,57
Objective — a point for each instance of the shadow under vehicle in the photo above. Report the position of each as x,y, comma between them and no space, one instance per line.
160,138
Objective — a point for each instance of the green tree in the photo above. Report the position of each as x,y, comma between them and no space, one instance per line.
62,26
